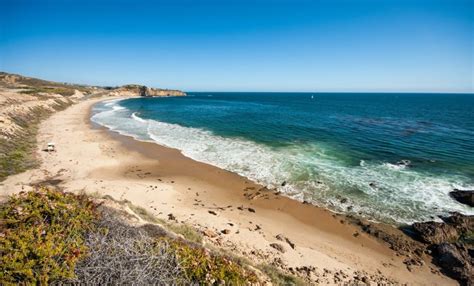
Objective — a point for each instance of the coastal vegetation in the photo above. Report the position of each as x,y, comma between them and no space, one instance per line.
42,236
17,149
24,103
54,237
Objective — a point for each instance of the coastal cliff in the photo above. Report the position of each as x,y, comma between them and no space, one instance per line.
26,101
141,90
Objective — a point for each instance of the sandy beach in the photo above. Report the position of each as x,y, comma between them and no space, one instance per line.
234,213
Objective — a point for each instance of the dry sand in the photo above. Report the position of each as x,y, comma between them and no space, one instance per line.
163,181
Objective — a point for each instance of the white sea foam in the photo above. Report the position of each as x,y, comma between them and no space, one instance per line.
394,166
378,190
138,118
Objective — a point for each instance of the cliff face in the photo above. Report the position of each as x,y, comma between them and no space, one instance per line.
161,92
141,90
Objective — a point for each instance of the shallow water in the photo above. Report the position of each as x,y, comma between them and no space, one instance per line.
336,150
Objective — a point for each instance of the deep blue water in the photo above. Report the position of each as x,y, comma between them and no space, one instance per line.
325,146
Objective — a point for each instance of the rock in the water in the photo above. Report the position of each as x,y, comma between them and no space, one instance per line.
455,261
404,163
435,232
464,197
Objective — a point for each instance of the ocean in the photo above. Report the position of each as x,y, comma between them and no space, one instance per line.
388,157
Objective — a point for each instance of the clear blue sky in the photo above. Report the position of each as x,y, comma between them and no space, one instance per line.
378,45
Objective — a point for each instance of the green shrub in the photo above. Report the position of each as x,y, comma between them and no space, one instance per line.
205,268
280,278
42,235
187,231
18,153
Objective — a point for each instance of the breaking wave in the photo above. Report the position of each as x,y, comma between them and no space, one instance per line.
384,191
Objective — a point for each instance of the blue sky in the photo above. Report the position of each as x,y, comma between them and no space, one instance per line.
377,45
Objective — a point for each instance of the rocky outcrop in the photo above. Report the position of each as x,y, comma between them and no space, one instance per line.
161,92
451,243
464,197
456,260
141,90
435,232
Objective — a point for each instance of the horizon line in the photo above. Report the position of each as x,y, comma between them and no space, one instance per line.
250,91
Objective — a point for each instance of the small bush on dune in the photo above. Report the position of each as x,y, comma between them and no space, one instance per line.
42,235
207,268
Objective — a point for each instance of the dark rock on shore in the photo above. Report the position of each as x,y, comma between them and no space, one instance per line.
462,223
464,197
435,232
456,261
452,242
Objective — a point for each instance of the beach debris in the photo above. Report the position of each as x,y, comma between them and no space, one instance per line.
171,217
225,231
209,233
212,212
463,196
263,192
278,247
283,184
356,234
281,237
412,262
251,210
50,147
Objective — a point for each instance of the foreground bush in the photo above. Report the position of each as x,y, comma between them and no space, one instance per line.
121,254
52,237
42,236
206,268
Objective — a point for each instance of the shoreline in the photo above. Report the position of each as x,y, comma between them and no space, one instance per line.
164,181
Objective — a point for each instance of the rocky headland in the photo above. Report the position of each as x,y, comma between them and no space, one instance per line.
141,90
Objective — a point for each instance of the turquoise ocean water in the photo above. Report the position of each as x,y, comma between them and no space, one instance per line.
388,157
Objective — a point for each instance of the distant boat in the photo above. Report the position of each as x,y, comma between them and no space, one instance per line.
312,96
